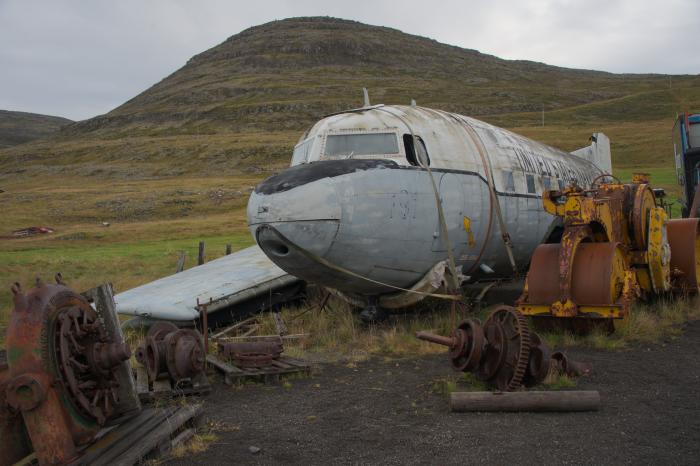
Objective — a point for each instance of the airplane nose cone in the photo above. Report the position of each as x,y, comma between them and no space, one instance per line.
305,214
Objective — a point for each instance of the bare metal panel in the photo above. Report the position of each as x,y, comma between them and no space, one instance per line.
227,280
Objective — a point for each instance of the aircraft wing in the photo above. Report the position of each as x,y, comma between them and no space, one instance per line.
224,282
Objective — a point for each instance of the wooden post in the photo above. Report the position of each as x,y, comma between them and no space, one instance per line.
228,249
575,400
180,262
200,257
103,296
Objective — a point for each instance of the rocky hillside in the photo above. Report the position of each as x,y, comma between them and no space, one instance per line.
242,104
20,127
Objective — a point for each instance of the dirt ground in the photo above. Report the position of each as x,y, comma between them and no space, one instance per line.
389,412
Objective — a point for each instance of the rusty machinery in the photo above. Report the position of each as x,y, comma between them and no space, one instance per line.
173,353
253,354
59,380
503,352
617,245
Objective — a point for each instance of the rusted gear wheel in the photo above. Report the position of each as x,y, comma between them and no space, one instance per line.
515,352
494,352
83,356
466,352
538,365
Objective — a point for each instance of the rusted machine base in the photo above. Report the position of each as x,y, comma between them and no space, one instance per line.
163,389
270,374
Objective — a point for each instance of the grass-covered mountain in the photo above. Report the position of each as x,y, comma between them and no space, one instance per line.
242,104
20,127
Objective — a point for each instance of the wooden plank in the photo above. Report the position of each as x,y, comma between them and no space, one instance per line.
154,437
253,328
180,262
295,336
161,386
279,363
103,296
234,327
124,437
141,380
295,362
182,437
566,401
200,255
221,365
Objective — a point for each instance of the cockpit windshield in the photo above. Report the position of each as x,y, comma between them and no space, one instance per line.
348,145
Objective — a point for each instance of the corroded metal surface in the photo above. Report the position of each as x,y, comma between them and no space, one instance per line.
252,354
616,245
685,252
504,352
172,353
60,372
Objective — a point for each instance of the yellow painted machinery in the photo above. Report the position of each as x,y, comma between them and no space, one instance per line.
617,245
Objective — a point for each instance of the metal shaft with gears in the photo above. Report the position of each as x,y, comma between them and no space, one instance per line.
502,352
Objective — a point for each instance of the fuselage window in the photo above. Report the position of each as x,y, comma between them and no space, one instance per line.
530,179
347,145
422,159
301,152
547,181
508,181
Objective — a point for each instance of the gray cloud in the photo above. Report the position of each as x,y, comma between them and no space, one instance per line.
82,58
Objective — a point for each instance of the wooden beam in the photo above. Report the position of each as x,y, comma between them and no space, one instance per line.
103,297
200,256
180,262
575,400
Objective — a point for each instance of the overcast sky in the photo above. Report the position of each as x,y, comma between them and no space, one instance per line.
82,58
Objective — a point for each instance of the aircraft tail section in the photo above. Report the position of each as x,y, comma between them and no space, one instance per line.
598,152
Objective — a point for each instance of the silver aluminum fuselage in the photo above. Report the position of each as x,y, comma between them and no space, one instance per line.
376,214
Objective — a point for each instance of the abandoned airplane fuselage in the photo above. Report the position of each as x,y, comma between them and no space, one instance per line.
357,210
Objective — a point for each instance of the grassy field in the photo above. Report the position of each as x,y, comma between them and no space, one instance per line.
152,218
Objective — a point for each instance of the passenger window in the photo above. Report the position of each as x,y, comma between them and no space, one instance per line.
508,181
530,183
423,157
547,181
562,185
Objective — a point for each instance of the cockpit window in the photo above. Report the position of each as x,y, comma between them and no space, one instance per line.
339,145
301,152
411,151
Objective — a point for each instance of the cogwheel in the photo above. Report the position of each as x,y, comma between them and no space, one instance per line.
517,335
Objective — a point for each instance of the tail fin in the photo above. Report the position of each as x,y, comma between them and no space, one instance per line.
598,152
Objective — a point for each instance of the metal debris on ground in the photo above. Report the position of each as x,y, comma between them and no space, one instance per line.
174,362
503,352
31,231
252,353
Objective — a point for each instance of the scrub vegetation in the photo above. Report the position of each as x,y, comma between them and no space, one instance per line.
175,164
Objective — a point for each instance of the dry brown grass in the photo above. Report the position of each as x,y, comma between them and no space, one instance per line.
337,334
